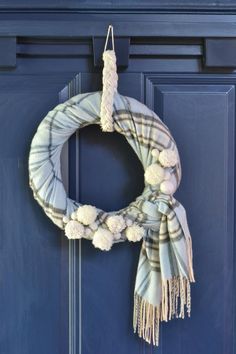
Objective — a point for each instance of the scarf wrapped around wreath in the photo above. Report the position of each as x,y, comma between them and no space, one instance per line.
164,274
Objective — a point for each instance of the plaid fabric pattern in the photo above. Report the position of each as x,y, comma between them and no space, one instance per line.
165,264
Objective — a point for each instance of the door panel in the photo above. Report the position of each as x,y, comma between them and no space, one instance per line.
66,297
33,271
201,118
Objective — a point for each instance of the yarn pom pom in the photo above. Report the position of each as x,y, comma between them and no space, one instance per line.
168,158
135,233
117,236
94,226
65,219
154,174
74,230
103,239
167,175
155,153
167,187
74,215
129,222
88,232
86,214
116,223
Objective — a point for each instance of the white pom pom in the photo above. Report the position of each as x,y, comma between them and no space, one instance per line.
167,187
167,175
168,158
135,233
86,214
65,219
94,226
74,230
129,222
103,239
154,174
88,232
115,223
117,236
155,153
74,216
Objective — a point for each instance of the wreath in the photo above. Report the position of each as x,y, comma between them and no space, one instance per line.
162,288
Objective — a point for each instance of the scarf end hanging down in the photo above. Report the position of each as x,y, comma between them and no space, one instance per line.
176,296
175,301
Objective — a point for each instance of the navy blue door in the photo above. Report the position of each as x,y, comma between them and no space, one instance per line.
66,297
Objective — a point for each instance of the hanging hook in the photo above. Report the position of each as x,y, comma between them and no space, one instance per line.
121,47
110,31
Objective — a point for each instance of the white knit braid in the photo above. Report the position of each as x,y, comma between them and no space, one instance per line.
109,80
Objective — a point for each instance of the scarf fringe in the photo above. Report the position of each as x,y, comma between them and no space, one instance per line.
190,259
176,297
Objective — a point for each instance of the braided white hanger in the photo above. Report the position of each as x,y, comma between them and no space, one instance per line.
109,81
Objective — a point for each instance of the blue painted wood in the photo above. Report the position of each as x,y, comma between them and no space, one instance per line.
202,120
119,5
220,52
206,114
8,52
122,46
76,24
69,298
33,255
80,47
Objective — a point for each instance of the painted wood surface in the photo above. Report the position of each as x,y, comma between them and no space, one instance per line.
71,25
61,297
132,5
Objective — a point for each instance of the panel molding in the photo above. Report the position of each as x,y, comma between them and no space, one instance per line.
74,261
8,52
152,80
75,25
111,6
158,96
141,47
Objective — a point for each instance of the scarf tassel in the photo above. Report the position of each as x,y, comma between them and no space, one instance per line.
190,258
176,296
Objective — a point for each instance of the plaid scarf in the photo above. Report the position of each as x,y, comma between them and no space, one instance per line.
162,288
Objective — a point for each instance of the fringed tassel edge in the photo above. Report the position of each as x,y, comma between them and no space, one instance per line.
176,296
190,259
146,320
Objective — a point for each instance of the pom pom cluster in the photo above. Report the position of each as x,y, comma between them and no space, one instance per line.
103,238
82,223
158,173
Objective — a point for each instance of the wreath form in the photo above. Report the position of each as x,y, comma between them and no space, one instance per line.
151,141
162,287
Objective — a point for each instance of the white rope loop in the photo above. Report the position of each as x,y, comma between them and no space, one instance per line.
110,82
